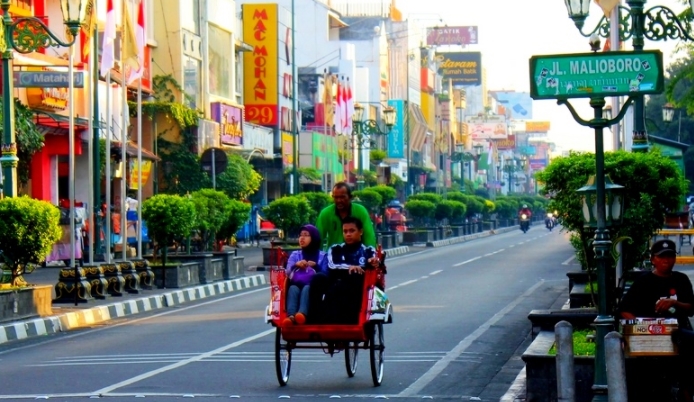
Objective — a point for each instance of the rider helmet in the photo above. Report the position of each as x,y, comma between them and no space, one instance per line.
525,205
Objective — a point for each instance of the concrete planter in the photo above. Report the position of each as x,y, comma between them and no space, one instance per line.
210,268
228,265
177,276
418,236
25,303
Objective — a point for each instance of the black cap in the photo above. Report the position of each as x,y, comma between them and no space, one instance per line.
663,247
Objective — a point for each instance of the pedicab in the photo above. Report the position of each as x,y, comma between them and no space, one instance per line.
367,334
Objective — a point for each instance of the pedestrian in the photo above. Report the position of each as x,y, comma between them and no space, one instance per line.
301,267
330,219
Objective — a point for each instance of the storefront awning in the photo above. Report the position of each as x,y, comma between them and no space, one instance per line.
335,21
418,127
56,124
131,150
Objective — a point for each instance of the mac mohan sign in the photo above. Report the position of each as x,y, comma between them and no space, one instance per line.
585,75
463,68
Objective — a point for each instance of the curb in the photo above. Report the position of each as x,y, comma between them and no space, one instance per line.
77,319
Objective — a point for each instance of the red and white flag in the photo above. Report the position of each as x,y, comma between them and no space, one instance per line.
136,74
339,107
109,43
349,108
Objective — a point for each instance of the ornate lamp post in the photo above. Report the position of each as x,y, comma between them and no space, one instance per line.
669,114
364,130
597,202
656,23
27,35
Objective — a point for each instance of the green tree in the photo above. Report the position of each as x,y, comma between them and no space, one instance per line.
653,185
444,210
212,209
289,214
317,200
239,213
369,198
457,196
28,230
387,194
420,210
29,138
431,197
474,206
239,180
168,217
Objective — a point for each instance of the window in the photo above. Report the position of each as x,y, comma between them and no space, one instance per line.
191,82
190,15
220,50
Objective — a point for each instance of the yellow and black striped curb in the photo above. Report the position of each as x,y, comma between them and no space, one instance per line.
77,319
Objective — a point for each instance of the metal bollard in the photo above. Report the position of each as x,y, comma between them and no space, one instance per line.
616,374
566,377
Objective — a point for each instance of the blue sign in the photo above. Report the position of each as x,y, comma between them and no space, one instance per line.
519,104
46,79
396,136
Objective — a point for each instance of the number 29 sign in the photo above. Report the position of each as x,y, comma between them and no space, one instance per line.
263,115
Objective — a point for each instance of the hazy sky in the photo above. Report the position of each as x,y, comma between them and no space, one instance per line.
510,32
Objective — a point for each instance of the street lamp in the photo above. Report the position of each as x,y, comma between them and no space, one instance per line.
27,35
669,114
595,210
656,23
362,132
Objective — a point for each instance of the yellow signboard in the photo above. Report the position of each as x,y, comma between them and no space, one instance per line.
260,68
287,149
536,126
136,171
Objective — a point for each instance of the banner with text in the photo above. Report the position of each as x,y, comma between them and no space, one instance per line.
261,76
439,36
486,127
463,68
396,136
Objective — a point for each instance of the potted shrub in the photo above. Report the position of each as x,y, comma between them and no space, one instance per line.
212,209
317,200
420,211
168,217
28,230
289,214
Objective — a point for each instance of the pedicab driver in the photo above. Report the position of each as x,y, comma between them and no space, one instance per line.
330,219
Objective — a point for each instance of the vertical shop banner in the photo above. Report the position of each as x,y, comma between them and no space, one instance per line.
137,170
260,67
287,149
396,136
230,119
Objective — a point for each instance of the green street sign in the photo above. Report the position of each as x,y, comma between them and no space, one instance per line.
585,75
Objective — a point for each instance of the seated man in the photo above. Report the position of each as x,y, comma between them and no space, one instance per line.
664,293
337,296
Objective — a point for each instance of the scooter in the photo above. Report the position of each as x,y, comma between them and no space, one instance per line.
549,222
524,223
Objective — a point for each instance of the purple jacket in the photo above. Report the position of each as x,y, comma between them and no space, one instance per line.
298,255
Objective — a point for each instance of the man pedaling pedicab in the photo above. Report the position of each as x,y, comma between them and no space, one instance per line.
336,297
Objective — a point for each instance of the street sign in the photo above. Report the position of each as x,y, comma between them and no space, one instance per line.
585,75
46,79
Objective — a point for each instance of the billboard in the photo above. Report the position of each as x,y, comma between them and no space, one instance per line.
518,104
230,119
537,126
486,127
452,36
463,68
396,136
507,143
261,77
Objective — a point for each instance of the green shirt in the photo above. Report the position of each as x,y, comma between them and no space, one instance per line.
329,225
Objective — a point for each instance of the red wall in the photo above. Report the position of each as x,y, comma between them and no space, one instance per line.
41,166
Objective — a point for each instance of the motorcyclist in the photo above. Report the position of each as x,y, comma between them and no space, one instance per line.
525,210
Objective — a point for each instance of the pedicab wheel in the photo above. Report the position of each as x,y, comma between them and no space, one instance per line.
351,352
377,352
283,358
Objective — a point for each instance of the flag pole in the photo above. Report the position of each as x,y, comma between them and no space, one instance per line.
124,134
90,158
139,167
109,184
95,227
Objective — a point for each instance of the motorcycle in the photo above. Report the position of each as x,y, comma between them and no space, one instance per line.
524,222
549,222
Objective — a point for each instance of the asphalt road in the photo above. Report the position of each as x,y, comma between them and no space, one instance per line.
460,325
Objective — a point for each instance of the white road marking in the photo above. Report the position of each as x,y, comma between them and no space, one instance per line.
568,260
181,363
436,272
465,262
416,387
402,284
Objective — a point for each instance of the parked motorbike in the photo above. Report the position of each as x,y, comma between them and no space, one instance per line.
524,222
549,222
